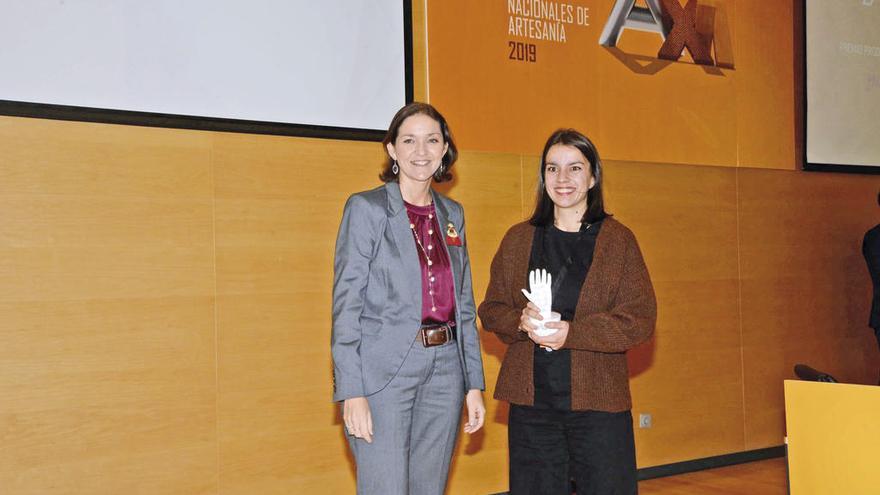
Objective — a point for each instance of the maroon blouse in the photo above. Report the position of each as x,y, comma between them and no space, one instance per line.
438,292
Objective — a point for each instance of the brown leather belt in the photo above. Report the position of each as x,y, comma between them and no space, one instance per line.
437,334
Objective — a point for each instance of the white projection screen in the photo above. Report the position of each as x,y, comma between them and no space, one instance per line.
326,68
843,85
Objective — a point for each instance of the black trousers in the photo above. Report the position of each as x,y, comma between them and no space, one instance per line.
548,448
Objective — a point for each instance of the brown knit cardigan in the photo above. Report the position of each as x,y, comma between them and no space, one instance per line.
616,311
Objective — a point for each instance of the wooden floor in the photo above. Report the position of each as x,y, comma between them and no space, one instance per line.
753,478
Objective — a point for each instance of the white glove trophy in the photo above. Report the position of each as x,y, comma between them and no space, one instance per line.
541,295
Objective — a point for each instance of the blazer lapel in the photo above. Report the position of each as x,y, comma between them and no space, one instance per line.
410,272
444,219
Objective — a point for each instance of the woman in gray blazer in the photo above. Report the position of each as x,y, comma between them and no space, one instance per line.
406,353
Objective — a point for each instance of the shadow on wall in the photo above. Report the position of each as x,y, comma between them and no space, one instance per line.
640,358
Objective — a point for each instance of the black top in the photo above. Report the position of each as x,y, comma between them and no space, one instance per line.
567,256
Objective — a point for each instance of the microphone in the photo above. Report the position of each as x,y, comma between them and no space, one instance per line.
809,374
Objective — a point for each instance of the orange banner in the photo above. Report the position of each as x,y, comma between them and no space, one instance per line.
506,73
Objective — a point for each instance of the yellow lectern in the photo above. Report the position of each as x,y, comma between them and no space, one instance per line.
833,437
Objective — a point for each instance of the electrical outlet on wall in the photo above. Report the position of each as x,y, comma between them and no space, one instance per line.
645,420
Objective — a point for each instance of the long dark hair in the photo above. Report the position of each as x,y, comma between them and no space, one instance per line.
543,214
443,173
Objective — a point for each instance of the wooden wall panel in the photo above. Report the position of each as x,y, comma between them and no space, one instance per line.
805,288
279,202
690,376
106,291
109,278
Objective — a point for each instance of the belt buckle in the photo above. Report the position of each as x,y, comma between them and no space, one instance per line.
428,331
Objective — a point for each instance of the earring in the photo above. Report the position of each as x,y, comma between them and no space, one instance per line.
394,168
438,174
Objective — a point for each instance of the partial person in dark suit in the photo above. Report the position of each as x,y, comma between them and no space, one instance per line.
871,252
406,353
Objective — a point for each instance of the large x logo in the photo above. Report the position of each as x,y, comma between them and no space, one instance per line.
684,33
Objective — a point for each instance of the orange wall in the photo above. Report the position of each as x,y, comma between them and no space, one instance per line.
635,106
166,297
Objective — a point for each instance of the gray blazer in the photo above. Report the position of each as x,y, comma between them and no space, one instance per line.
377,295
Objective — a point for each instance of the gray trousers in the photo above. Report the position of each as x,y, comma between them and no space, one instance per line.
415,424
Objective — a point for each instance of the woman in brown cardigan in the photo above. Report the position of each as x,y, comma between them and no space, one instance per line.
569,391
